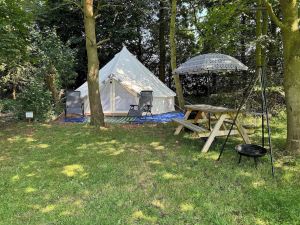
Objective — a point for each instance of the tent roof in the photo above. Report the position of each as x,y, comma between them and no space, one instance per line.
210,62
132,74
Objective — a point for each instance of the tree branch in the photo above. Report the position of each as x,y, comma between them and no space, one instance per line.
96,13
99,44
76,3
99,7
272,14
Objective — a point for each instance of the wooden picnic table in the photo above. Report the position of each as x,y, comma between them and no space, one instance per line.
211,122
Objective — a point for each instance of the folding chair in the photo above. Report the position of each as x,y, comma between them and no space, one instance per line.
144,106
74,104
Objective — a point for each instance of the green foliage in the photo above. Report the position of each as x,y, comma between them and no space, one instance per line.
7,105
222,29
14,30
48,52
16,76
35,98
68,22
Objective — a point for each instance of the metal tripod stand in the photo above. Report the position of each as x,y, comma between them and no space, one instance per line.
265,113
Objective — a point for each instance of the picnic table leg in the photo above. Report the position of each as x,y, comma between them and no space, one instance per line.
223,124
179,128
198,116
242,132
213,133
208,118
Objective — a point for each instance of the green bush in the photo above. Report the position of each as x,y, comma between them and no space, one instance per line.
37,99
7,105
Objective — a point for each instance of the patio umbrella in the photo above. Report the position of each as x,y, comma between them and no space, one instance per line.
210,62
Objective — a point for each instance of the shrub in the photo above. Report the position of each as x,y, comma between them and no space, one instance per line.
7,105
35,98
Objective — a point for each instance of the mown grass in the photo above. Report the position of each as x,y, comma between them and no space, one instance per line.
74,174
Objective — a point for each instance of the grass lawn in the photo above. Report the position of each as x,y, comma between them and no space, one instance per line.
74,174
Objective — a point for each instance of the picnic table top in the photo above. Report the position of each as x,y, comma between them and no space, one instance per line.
209,108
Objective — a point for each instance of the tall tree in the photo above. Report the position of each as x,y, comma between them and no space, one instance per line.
97,116
258,51
289,25
261,32
162,40
178,86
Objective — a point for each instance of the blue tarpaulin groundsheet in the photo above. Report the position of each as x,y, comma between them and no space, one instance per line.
76,120
161,118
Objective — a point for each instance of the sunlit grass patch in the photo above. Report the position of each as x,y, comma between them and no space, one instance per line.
185,207
155,162
72,170
48,208
139,215
158,204
42,146
170,176
30,190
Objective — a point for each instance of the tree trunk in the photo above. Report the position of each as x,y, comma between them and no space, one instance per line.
273,51
291,52
97,116
243,34
178,86
264,29
14,92
258,51
292,88
289,26
162,41
50,80
140,44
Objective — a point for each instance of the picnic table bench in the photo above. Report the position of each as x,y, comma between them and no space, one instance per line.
190,125
213,120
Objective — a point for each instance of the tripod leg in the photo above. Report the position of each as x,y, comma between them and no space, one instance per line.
255,161
263,85
245,98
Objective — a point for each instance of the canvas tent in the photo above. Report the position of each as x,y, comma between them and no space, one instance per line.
121,80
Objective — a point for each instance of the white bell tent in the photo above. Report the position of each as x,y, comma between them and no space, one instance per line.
121,81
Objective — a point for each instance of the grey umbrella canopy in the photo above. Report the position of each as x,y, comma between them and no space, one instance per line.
210,62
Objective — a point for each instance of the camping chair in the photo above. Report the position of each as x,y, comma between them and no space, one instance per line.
74,104
145,105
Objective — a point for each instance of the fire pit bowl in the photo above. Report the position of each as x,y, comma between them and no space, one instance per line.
251,150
